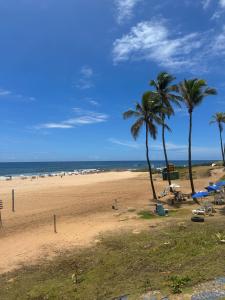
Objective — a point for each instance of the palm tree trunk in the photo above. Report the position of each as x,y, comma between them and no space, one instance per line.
149,164
189,153
221,144
164,149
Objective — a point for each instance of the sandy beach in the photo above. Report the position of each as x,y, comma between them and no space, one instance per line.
83,208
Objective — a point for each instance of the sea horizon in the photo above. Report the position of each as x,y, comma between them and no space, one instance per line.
36,168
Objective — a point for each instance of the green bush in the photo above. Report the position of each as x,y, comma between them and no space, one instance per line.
177,283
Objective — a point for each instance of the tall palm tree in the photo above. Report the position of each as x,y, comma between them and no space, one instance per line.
193,92
146,114
219,118
165,90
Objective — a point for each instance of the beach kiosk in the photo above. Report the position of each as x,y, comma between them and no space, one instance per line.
173,174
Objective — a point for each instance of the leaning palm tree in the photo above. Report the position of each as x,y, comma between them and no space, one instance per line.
146,114
193,92
219,118
165,90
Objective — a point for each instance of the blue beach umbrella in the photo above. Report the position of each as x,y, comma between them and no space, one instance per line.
200,195
212,188
220,183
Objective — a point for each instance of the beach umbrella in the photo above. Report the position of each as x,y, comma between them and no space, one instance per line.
212,188
220,183
173,185
200,195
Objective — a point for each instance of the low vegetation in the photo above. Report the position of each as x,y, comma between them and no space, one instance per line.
147,215
197,171
172,259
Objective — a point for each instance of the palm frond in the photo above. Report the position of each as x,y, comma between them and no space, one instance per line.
167,127
194,91
153,83
152,129
136,127
131,113
210,91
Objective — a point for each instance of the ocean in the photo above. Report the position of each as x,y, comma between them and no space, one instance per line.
37,168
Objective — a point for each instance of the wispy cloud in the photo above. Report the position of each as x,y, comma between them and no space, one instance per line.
222,3
129,144
174,150
220,7
181,111
206,3
124,9
153,41
4,92
85,80
94,102
170,147
82,117
7,94
218,46
183,148
54,125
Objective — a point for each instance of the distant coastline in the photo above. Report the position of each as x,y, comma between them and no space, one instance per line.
39,168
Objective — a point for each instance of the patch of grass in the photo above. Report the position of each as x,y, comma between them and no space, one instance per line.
147,214
178,283
198,172
124,263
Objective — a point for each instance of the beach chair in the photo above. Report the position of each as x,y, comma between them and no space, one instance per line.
219,199
165,192
199,211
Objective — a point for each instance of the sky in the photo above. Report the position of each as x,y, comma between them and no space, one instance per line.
69,69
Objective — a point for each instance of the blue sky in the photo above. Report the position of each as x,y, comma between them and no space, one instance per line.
68,69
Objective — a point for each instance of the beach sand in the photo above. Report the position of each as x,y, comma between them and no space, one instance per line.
83,208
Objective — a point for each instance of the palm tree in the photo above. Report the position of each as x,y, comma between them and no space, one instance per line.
165,90
219,118
193,92
146,114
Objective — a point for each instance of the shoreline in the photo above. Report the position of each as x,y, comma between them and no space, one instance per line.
38,168
35,174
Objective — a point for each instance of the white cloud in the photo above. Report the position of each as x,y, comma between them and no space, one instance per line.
55,125
85,80
206,3
222,3
172,148
124,143
218,45
4,92
125,9
181,111
219,9
169,146
83,117
7,94
152,41
86,71
94,102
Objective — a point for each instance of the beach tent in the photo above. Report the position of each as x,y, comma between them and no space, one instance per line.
200,195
